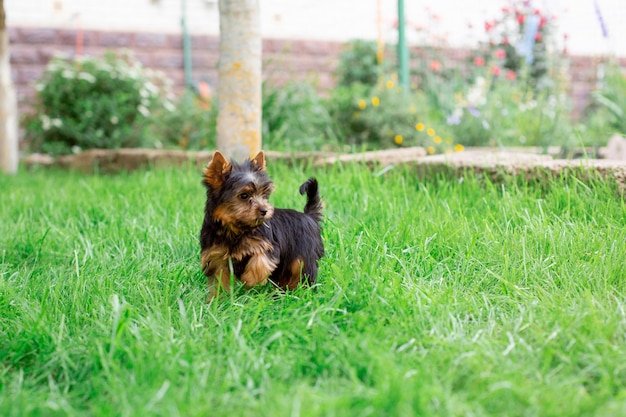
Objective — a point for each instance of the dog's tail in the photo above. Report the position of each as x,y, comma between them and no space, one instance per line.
314,205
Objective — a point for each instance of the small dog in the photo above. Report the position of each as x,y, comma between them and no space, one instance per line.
244,236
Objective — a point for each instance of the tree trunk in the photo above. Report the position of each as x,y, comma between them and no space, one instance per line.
8,103
239,88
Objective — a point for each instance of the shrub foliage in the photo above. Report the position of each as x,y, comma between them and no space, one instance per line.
94,103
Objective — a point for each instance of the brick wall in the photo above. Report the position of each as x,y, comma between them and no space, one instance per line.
284,60
32,48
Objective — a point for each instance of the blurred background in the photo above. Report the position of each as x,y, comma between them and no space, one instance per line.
337,20
330,68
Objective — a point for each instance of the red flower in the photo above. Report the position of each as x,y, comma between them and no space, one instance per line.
511,75
488,26
538,37
505,41
499,53
496,71
521,18
542,22
435,66
479,61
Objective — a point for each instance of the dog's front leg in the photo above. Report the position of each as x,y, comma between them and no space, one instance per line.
215,266
258,269
219,282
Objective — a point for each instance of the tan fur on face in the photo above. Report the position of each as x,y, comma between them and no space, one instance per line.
235,214
227,218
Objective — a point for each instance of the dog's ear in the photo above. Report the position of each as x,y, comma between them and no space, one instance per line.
259,161
215,172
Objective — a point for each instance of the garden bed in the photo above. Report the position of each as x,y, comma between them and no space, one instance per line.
530,162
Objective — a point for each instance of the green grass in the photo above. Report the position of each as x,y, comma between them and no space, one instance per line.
436,297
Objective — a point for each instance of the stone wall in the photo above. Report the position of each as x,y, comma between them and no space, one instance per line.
284,60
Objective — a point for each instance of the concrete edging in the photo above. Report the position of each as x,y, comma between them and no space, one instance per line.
492,162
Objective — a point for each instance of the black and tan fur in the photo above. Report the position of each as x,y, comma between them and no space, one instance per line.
244,235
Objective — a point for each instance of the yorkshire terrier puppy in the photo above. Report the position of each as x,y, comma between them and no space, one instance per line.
244,236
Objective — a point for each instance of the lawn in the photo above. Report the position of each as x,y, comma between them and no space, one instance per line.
436,298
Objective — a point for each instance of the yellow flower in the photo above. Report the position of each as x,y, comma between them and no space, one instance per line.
458,147
420,126
389,84
412,109
398,139
437,139
375,101
362,104
430,131
430,150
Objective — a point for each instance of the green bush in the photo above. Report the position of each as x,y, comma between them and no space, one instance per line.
94,103
384,116
496,97
609,101
497,111
491,111
343,106
358,63
295,118
190,124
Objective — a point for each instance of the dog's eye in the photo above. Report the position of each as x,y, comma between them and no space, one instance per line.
244,196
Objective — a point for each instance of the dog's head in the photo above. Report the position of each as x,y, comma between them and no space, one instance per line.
239,193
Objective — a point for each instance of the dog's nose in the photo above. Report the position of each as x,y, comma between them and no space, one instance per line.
263,211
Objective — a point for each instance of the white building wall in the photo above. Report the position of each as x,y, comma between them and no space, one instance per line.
327,19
